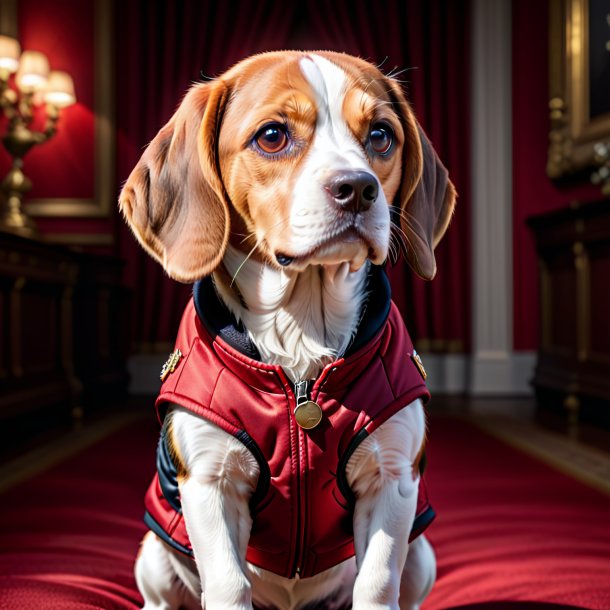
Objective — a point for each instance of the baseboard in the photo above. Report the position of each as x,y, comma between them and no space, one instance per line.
447,373
487,374
500,374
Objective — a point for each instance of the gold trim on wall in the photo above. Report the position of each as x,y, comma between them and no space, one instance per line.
439,346
79,239
573,132
104,189
583,307
8,18
546,304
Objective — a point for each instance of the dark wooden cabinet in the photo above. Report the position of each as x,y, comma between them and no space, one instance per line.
63,327
573,247
101,328
36,355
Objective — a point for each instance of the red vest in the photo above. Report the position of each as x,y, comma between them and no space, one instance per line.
302,508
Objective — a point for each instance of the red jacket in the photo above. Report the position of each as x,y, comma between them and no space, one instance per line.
302,507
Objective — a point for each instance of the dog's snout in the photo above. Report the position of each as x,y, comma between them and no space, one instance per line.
352,190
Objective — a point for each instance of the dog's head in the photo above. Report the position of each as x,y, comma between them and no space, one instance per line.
296,158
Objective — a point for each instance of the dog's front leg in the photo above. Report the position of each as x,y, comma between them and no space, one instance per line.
221,475
381,473
213,524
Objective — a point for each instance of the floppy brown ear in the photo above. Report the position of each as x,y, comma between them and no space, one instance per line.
427,196
174,199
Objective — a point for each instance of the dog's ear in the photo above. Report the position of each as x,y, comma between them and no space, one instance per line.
426,196
174,199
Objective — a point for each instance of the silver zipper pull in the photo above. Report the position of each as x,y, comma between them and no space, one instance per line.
300,391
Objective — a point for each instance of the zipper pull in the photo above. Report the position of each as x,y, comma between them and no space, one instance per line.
307,412
301,390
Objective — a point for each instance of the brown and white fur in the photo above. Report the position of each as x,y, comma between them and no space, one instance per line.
289,236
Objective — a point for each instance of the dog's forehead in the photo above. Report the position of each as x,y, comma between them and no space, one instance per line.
333,76
316,81
327,81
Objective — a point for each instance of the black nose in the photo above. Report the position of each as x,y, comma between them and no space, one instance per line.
353,190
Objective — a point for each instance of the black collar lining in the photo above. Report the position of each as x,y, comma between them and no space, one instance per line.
220,321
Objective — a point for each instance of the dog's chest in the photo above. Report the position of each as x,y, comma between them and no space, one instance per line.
302,321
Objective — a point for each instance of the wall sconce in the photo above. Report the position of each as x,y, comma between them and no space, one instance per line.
33,86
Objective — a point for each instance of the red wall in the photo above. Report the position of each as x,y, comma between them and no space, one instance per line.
63,167
533,192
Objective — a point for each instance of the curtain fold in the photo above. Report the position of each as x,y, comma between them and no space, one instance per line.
165,46
162,48
430,42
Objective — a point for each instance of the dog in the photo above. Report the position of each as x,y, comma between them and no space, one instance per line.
293,420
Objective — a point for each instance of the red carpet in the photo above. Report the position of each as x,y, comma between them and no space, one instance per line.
511,532
68,537
510,528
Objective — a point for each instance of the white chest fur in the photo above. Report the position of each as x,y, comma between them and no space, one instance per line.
298,320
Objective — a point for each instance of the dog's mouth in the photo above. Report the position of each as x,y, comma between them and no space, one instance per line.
349,245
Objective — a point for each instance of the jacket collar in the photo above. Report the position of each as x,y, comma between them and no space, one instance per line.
220,322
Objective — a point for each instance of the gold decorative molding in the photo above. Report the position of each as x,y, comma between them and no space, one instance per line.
79,239
573,132
425,345
547,308
8,18
583,307
104,189
546,304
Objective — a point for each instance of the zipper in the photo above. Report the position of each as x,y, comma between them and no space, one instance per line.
302,391
301,394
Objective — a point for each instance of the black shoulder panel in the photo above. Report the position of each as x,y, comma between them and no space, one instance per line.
168,475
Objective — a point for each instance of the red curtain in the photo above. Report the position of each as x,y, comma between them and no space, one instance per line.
429,39
163,47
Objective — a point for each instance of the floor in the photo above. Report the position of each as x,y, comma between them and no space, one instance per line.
511,532
36,450
579,449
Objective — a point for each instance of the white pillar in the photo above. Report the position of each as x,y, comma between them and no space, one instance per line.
491,124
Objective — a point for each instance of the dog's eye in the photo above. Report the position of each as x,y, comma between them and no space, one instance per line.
272,138
381,138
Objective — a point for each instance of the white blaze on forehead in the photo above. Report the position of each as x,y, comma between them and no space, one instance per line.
329,84
334,148
333,135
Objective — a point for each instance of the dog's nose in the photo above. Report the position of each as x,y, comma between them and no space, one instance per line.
353,190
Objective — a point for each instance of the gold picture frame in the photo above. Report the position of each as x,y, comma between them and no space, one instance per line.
101,204
577,124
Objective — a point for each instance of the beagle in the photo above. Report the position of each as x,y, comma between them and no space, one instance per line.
293,423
